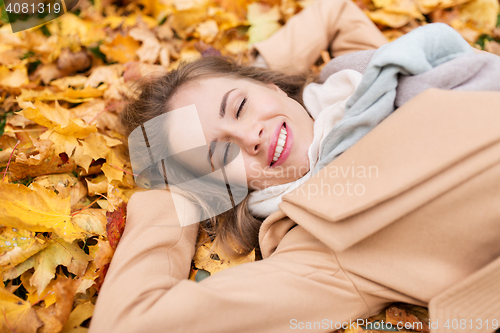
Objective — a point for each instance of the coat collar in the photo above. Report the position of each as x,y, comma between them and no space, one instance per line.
422,139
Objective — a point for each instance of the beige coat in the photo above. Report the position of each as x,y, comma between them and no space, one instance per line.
425,230
422,228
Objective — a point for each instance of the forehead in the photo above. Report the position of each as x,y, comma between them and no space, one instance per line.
211,86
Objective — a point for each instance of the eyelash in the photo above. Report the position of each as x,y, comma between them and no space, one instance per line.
226,152
241,107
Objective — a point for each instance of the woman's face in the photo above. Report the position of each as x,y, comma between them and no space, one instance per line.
272,130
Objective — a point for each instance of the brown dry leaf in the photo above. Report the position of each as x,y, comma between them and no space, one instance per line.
52,164
493,47
150,48
11,57
408,314
49,318
71,62
56,315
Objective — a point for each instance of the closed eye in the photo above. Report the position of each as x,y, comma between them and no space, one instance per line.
241,107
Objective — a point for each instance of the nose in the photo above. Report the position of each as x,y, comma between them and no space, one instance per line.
250,138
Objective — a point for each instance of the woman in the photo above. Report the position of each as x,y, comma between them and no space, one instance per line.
424,230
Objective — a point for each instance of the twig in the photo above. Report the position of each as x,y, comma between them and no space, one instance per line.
7,322
106,109
41,299
8,163
108,200
78,211
29,130
130,173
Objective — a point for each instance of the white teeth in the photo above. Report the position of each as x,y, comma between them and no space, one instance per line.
280,144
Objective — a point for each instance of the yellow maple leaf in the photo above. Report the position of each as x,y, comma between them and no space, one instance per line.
37,209
58,252
93,221
64,83
482,14
392,20
14,78
48,294
98,184
263,21
69,95
18,313
17,245
213,263
81,313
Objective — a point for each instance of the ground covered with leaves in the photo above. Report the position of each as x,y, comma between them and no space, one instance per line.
64,181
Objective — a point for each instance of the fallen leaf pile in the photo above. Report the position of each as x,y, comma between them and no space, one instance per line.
65,183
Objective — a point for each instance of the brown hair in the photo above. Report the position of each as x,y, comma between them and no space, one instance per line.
235,232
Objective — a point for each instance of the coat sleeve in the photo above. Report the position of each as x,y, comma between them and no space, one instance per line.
337,25
146,288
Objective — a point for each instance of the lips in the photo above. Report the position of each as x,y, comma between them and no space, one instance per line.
283,155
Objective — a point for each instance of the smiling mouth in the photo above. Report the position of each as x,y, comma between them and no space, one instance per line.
280,144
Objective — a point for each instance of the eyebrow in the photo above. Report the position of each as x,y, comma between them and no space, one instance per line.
222,111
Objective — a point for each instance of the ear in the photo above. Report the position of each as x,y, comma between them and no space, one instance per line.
277,89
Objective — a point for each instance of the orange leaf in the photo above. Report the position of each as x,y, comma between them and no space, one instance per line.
121,49
116,224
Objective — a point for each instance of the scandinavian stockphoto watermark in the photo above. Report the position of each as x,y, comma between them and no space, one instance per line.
343,180
26,14
171,152
449,325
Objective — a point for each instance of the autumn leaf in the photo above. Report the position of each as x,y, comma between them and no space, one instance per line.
116,224
36,209
18,245
55,316
121,49
70,77
17,313
13,78
81,313
212,263
58,252
263,21
52,164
